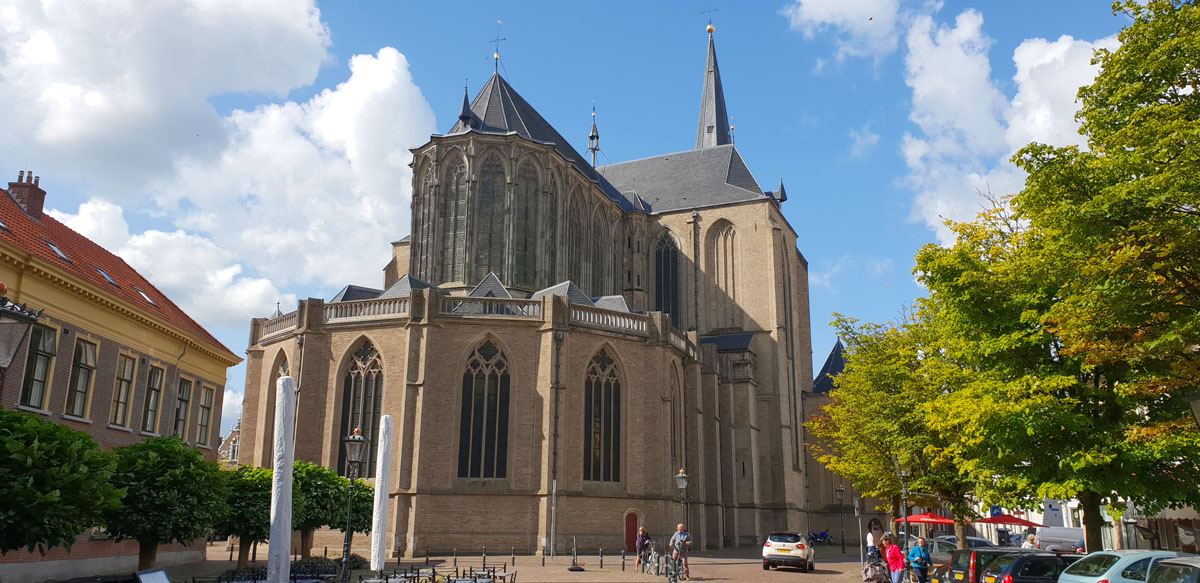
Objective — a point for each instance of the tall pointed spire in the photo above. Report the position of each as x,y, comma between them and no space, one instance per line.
714,121
594,137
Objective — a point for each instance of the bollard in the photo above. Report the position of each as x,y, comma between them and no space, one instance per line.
484,556
231,553
426,556
254,553
602,557
325,553
514,556
543,555
622,559
455,551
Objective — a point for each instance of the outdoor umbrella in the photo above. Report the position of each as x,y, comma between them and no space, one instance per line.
927,518
1007,519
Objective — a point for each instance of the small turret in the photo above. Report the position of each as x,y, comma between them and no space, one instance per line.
594,138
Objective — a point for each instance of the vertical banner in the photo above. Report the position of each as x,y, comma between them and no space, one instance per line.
383,486
279,555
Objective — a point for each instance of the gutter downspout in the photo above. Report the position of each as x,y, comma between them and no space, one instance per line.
558,338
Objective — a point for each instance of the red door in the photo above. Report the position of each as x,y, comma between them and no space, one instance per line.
631,526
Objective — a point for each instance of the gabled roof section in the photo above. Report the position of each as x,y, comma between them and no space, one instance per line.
568,289
499,110
834,365
353,293
404,287
714,120
614,303
88,261
688,179
490,287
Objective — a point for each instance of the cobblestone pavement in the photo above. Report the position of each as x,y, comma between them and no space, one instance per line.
731,566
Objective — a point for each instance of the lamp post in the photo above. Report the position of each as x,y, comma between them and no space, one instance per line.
15,322
681,481
354,451
903,474
841,495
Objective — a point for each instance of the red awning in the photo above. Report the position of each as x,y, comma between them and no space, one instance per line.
1006,519
927,518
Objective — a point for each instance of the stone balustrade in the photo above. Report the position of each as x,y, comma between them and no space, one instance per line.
366,310
281,324
590,317
456,306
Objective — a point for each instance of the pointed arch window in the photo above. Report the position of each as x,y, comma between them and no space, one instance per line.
722,268
362,397
489,230
525,231
452,218
578,237
550,228
666,278
426,214
602,420
599,248
483,424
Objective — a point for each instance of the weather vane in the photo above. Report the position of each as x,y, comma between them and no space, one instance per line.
496,54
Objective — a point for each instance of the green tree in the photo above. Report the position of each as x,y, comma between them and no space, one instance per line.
319,501
881,408
249,509
54,482
171,495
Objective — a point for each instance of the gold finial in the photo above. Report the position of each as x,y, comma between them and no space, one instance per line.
710,28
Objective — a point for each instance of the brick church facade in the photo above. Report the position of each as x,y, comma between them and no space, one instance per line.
555,341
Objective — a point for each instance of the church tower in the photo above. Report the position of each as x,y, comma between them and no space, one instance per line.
714,120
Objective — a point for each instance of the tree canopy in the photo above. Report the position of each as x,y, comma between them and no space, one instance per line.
248,504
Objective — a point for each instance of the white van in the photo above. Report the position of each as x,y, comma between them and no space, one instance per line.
1058,538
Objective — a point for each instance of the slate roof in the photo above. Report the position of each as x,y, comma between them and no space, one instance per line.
615,303
834,365
352,293
712,105
404,286
86,259
688,179
499,110
738,341
490,287
566,288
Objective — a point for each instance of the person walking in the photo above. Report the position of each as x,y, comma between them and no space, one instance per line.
681,541
872,550
641,546
894,558
919,558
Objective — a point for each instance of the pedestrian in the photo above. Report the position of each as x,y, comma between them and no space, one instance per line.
894,558
681,541
641,546
872,550
919,557
1029,544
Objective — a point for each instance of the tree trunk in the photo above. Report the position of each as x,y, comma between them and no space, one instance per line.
895,529
960,534
1089,502
147,555
243,553
306,542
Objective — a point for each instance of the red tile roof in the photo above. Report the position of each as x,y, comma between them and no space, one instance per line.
85,256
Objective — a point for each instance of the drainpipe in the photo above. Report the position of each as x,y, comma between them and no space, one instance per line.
558,338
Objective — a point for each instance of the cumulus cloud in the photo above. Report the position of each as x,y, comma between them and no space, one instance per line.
860,28
967,128
231,410
863,140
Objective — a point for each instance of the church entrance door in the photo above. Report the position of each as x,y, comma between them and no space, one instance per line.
631,526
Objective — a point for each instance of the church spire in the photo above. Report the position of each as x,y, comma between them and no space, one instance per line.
594,138
714,121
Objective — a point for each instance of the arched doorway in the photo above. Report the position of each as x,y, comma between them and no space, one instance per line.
631,526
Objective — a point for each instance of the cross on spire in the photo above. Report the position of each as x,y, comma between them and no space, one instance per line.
496,54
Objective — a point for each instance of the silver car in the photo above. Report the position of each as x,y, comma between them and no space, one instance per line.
1127,566
789,549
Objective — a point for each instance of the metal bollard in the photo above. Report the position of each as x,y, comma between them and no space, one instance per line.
426,556
254,553
484,556
514,556
543,555
325,553
622,559
455,556
231,553
602,557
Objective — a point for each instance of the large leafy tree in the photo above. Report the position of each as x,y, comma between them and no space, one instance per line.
249,509
881,408
320,501
171,495
54,482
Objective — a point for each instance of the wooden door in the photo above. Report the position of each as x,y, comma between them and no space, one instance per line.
631,527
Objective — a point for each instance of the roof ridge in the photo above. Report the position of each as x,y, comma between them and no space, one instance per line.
692,151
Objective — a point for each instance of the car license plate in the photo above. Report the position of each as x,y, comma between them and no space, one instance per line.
990,579
958,576
784,550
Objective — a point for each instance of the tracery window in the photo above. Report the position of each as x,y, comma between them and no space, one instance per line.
599,251
362,397
525,232
722,270
452,218
666,278
489,230
602,420
578,235
483,426
550,228
425,213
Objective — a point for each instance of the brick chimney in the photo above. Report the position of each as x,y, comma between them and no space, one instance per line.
28,194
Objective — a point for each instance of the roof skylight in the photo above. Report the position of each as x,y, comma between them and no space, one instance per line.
144,296
106,276
58,251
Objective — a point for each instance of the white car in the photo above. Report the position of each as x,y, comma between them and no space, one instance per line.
790,549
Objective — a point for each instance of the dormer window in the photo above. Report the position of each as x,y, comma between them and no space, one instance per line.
144,296
4,227
106,276
58,251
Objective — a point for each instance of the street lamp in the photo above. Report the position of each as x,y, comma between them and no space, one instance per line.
903,474
15,322
841,495
681,480
354,453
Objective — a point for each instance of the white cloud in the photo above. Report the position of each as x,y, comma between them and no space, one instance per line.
826,271
231,410
864,140
967,128
879,267
861,28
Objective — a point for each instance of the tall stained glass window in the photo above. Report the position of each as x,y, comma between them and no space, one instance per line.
362,397
489,222
578,235
426,214
452,219
602,421
600,241
550,228
525,231
666,278
483,424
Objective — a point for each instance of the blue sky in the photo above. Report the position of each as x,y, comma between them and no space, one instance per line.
251,152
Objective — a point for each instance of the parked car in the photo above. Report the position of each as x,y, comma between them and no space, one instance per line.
967,565
939,550
1178,570
1115,566
790,549
1028,567
1058,538
972,541
940,574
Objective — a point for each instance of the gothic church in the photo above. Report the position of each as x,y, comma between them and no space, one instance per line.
556,341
